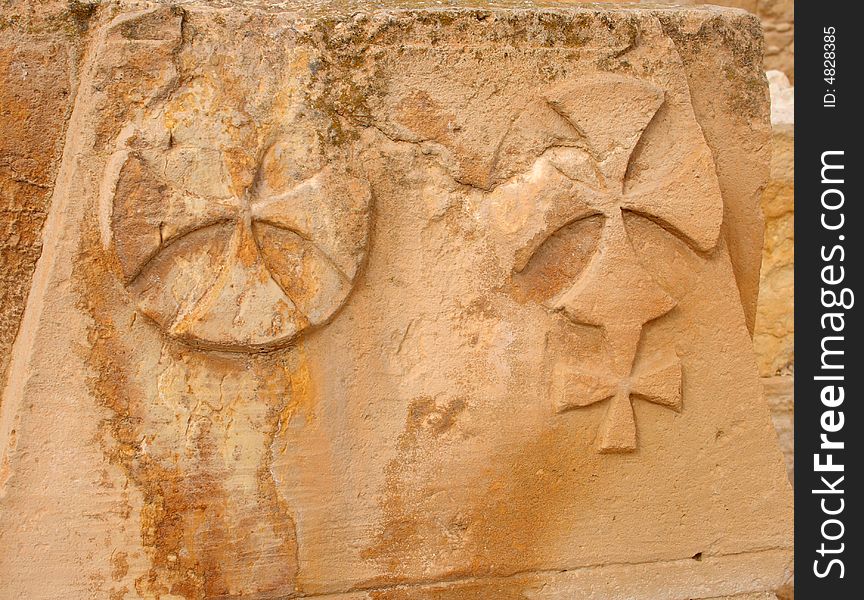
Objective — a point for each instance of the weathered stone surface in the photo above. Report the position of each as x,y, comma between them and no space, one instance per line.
775,323
779,392
757,596
778,24
774,334
344,301
38,58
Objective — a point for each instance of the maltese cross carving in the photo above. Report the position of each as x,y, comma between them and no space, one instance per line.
623,136
658,383
246,266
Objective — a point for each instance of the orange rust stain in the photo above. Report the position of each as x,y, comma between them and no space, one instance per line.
300,394
204,509
119,566
520,502
279,375
501,589
126,84
118,594
247,251
35,100
556,264
397,546
275,175
186,525
283,253
189,519
423,114
529,496
241,169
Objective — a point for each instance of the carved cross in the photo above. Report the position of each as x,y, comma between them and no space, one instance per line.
245,268
658,383
619,128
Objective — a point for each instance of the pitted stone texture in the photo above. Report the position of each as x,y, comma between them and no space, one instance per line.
761,596
779,393
775,322
778,24
167,437
38,62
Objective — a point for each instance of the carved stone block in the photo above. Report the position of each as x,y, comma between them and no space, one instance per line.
358,301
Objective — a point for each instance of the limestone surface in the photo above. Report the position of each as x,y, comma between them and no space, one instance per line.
39,55
775,323
773,337
399,300
778,26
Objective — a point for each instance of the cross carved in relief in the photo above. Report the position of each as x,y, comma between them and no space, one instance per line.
615,291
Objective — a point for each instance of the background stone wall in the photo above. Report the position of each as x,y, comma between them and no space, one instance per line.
775,326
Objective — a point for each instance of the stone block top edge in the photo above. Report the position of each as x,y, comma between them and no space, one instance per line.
77,17
336,8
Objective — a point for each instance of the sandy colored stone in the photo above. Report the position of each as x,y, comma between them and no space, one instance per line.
775,324
787,592
774,335
38,69
778,24
782,98
758,596
779,392
345,301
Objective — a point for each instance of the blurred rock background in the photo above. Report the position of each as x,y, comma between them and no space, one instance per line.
775,325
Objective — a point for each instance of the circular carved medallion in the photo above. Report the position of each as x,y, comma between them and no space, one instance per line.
243,266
